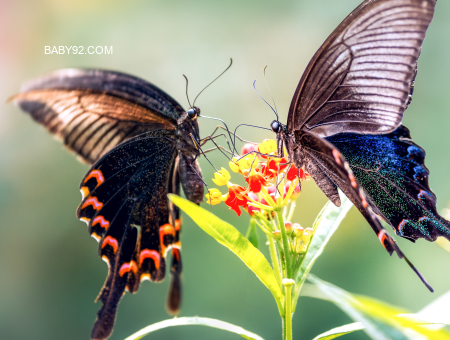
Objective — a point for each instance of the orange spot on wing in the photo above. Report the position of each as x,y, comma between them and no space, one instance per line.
337,156
96,205
178,224
84,192
150,254
85,220
111,241
363,200
101,220
94,235
382,237
145,277
165,229
128,266
97,174
176,253
352,180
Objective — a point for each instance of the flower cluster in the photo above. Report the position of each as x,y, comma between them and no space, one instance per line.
272,181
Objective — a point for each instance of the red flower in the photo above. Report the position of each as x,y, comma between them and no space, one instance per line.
269,169
292,173
236,198
256,181
304,175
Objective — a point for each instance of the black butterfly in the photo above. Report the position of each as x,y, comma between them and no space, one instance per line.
142,144
344,120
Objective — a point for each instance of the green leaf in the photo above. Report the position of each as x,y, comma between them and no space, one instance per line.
252,235
380,320
437,312
339,331
194,321
325,225
231,238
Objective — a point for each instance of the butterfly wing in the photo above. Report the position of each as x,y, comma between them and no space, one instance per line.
93,110
332,163
361,78
126,191
392,172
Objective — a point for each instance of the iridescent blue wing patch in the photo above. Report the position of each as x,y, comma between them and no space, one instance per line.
391,170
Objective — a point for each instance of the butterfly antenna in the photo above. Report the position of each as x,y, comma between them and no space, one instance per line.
276,114
187,95
231,63
255,126
268,89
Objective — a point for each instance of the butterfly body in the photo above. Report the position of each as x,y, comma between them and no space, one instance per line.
344,122
142,146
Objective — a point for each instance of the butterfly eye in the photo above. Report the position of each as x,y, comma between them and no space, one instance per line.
275,125
193,112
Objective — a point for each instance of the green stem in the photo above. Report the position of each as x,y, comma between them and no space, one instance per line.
275,260
288,313
287,257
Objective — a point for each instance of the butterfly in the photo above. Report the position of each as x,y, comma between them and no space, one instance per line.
344,121
141,145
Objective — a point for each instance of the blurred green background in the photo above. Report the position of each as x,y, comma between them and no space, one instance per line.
50,273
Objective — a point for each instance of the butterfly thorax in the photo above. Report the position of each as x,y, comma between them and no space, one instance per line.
189,170
188,135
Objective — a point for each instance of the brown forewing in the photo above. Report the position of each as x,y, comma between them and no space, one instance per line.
90,123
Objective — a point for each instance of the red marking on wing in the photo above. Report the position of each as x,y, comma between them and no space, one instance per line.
337,156
176,253
402,224
111,241
97,174
96,205
423,218
150,254
101,220
363,199
128,266
352,179
382,237
178,224
165,229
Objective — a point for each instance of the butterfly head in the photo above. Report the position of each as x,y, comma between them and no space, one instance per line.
193,112
275,126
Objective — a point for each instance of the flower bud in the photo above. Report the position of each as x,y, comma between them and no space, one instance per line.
307,234
297,230
249,147
221,177
214,196
288,227
277,234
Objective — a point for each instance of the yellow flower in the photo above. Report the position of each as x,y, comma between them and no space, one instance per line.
247,162
268,147
234,165
214,196
221,177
